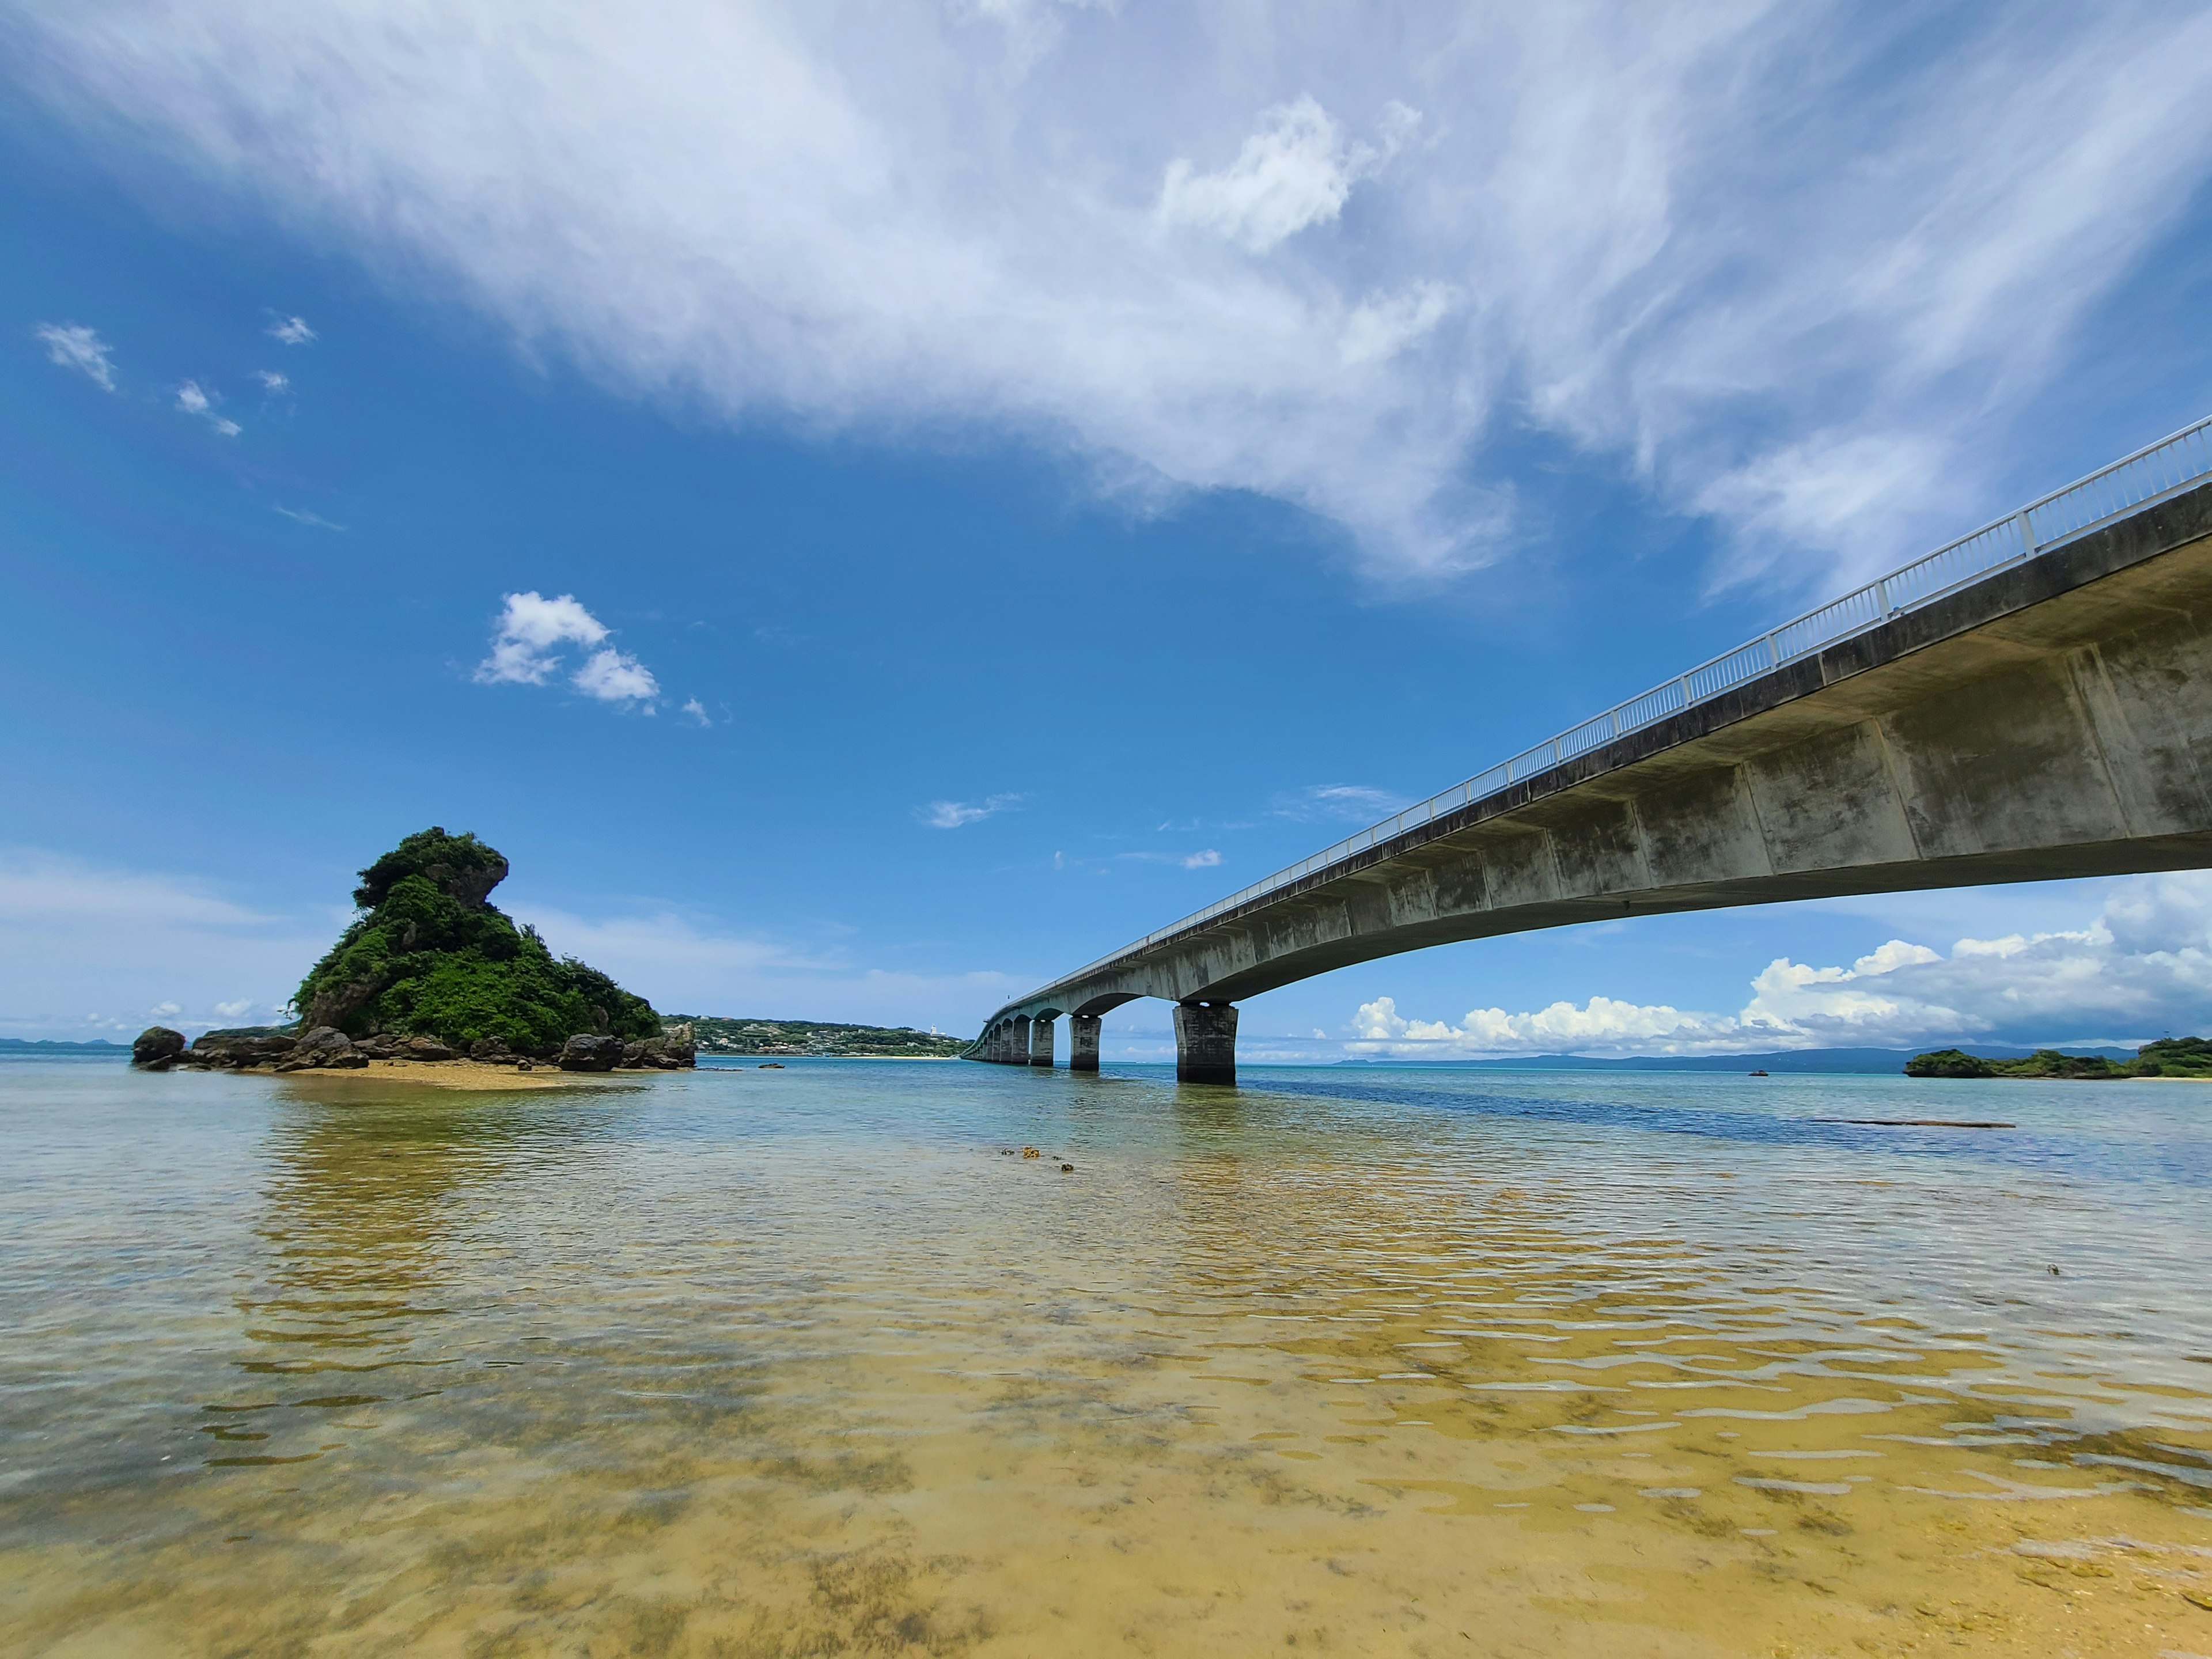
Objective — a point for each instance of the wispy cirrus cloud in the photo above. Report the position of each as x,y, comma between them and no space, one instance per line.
956,814
526,649
1778,263
75,346
1346,803
300,515
290,330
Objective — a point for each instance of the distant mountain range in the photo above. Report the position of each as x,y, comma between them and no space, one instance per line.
19,1046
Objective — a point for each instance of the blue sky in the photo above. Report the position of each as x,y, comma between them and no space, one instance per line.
1022,471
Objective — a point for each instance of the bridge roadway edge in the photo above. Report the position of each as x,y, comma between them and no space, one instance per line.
2151,571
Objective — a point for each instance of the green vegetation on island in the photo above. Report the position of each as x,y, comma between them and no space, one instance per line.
2167,1057
431,956
431,972
717,1035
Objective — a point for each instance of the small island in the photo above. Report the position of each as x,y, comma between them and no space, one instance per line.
432,972
2181,1057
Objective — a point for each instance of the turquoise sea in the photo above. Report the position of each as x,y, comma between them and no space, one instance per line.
816,1361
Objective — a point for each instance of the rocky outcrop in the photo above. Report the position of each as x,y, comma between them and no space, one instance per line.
324,1046
585,1051
156,1048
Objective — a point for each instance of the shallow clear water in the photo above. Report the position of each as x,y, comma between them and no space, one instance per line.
802,1362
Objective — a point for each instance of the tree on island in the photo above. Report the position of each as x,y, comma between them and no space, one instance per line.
431,956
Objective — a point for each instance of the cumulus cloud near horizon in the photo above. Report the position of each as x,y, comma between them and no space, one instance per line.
1215,246
2142,969
91,948
527,650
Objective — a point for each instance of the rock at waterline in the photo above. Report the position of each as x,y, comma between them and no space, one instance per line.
586,1052
156,1048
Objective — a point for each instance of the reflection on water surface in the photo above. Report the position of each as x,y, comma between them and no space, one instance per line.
800,1363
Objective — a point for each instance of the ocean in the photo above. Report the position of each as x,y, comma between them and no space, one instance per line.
818,1360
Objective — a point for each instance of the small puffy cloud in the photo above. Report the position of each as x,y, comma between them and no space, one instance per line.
614,676
1205,861
525,650
693,710
291,330
272,382
531,629
2141,968
75,346
1350,803
1295,171
193,400
237,1010
162,1010
953,814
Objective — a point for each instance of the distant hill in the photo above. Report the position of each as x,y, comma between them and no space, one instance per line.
1888,1063
717,1035
20,1046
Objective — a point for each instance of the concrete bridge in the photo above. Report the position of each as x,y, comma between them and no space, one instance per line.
2030,702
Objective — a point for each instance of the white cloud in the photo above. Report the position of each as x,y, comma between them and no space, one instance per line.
1779,263
614,676
75,346
191,400
696,711
952,814
1205,861
163,1010
235,1010
272,382
1348,803
2143,968
76,935
525,650
682,965
301,516
531,628
291,330
1295,171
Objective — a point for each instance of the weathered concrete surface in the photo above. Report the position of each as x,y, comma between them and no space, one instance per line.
1083,1041
1041,1041
2052,720
1206,1043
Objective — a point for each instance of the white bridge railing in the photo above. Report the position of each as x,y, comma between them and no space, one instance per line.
2112,492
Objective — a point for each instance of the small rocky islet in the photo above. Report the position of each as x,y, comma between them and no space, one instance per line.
432,971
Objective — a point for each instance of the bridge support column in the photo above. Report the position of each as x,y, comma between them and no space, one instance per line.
1206,1043
1017,1040
1041,1041
1083,1041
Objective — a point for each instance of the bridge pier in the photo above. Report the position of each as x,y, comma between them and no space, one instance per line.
1206,1043
1040,1052
1017,1040
1083,1041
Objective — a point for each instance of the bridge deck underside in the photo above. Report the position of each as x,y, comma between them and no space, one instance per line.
2054,720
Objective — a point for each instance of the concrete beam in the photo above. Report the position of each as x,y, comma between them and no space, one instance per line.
2046,721
1206,1043
1083,1041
